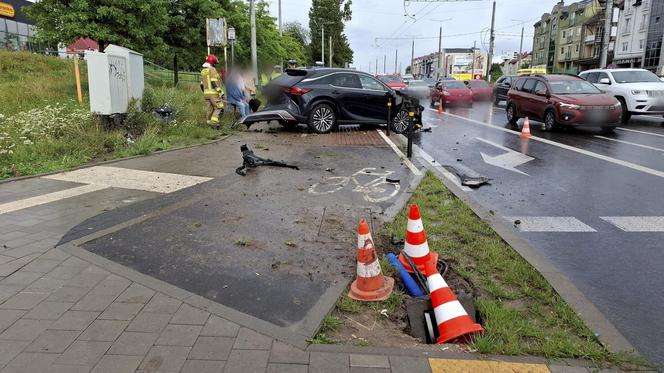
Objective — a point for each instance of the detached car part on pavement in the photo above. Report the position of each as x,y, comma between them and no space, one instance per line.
324,98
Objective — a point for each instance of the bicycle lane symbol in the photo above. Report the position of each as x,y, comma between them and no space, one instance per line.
373,185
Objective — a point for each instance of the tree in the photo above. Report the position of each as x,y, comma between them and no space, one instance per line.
331,15
133,24
496,71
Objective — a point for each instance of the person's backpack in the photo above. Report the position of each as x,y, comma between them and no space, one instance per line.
254,104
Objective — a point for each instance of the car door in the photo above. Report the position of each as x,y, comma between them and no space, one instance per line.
375,98
503,87
540,100
527,93
602,86
347,91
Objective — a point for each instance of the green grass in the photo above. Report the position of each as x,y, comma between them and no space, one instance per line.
46,84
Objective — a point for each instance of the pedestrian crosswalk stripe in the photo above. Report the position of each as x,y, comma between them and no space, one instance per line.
549,224
47,198
637,223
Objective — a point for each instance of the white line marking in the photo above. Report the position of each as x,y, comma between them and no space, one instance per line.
642,132
448,175
550,224
47,198
507,161
637,223
619,162
126,178
631,143
396,149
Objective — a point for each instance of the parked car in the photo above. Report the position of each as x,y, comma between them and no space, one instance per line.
562,100
502,86
324,98
453,92
482,91
639,91
393,81
418,88
407,78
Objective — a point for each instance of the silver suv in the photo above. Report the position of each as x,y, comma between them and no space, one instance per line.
639,91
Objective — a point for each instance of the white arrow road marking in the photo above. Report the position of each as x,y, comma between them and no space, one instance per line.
550,224
642,132
637,223
508,160
631,143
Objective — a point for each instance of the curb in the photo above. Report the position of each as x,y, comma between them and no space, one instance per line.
605,331
98,163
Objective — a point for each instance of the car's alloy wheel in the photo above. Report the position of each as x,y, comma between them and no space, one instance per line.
322,119
549,121
400,123
511,114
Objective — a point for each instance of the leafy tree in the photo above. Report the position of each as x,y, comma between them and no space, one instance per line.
133,24
331,15
496,71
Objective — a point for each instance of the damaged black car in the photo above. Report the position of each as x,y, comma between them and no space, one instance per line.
325,98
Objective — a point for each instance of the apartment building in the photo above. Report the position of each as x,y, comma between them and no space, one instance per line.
453,61
633,31
569,38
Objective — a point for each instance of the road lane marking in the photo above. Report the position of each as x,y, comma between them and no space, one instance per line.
549,224
116,177
48,198
619,162
642,132
402,156
508,161
636,223
630,143
448,175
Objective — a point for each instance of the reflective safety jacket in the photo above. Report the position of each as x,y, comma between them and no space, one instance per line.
208,76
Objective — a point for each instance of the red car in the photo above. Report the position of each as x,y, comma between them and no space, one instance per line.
454,92
482,91
393,81
562,100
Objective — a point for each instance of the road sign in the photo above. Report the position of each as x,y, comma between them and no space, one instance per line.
216,32
231,33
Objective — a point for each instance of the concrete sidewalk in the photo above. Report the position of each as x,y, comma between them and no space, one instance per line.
66,309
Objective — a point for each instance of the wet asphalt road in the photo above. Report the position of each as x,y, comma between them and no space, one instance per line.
619,268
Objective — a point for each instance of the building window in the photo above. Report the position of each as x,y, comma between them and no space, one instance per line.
657,19
625,46
562,50
644,20
577,48
641,44
564,34
626,29
572,18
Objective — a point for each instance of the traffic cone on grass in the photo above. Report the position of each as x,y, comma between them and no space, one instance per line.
440,105
525,131
416,246
453,321
363,233
370,284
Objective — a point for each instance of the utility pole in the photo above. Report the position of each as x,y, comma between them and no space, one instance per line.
376,66
330,57
280,29
254,55
472,74
440,51
322,44
384,63
412,57
396,57
518,60
606,39
491,42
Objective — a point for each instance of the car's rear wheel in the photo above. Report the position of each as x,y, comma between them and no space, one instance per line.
400,122
512,116
322,118
625,115
496,100
549,121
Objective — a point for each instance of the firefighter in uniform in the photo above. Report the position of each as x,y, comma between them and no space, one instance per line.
211,86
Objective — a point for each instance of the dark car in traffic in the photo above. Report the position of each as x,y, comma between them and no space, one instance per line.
562,100
501,87
324,98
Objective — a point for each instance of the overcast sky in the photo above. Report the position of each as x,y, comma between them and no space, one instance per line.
385,19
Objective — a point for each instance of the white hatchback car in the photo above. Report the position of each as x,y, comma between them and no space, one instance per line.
639,91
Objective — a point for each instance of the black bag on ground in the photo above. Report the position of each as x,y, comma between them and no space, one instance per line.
254,104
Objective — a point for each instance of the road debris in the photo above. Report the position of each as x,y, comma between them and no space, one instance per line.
251,160
394,181
469,181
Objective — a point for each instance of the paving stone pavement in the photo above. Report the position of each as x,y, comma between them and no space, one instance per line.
62,313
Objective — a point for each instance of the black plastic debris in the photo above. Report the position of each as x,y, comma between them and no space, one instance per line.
164,114
469,181
251,160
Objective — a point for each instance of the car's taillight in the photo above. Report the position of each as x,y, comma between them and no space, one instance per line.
297,91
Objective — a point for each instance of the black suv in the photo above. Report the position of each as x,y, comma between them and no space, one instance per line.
502,86
324,98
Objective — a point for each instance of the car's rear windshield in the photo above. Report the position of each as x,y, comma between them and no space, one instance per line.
390,79
416,83
634,76
454,84
478,84
572,87
289,80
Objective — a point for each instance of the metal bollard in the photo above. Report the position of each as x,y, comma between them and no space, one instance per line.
409,150
389,115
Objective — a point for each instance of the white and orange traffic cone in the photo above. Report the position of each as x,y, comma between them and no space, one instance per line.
453,321
363,233
416,246
525,131
370,284
440,105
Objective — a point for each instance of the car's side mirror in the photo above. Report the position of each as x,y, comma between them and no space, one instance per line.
542,92
604,81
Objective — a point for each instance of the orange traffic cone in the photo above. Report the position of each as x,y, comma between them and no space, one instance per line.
525,131
416,246
440,105
453,321
363,233
370,284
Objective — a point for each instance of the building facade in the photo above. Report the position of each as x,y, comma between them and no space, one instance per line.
640,33
569,39
15,28
463,63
